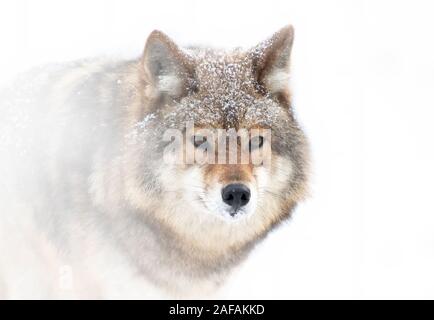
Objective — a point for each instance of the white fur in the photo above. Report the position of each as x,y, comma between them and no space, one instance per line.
171,84
277,80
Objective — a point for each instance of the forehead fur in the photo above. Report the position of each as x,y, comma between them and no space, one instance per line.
227,95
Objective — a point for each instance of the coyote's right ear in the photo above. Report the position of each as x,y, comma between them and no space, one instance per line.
166,67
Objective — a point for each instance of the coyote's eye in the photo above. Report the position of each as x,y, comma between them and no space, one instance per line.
256,142
199,141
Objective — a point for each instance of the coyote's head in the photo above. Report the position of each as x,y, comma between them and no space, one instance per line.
203,119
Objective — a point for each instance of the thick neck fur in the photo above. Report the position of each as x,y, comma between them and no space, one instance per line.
168,261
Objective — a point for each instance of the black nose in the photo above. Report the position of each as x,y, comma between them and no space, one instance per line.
236,195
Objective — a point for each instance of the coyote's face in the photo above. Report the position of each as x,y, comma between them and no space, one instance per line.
210,117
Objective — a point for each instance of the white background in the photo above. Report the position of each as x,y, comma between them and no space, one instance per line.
363,83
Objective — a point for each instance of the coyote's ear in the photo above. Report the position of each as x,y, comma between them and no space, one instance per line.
166,67
271,61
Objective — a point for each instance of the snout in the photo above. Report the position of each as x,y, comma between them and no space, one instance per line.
236,195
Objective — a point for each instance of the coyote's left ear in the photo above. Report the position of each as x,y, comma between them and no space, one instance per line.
167,68
271,61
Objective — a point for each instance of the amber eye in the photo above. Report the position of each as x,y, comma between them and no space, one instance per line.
199,141
256,142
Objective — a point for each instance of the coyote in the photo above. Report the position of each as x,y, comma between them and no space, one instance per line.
92,203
